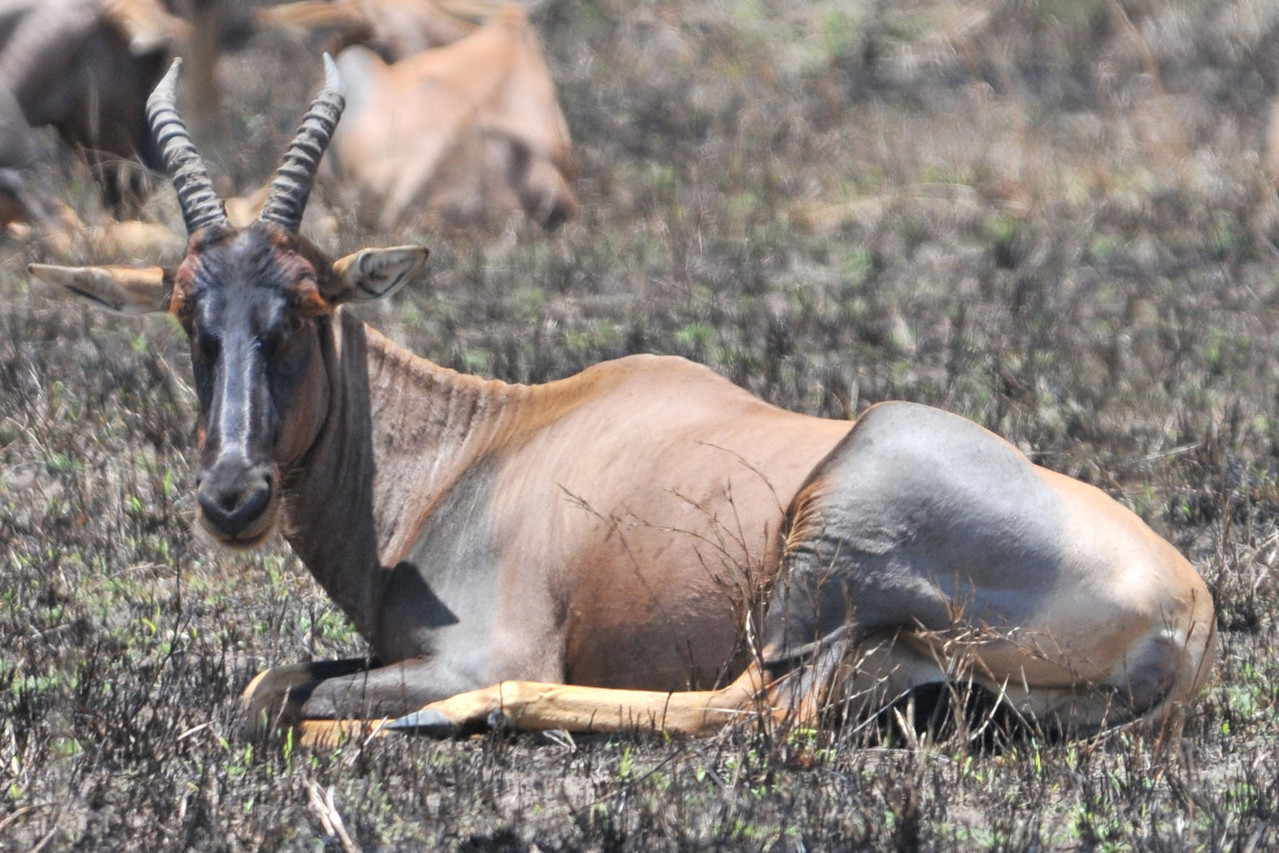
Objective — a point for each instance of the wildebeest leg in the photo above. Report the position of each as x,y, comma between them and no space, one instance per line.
916,540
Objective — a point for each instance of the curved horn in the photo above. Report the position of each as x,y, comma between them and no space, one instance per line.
292,184
200,203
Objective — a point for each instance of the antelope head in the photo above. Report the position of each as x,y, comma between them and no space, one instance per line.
252,301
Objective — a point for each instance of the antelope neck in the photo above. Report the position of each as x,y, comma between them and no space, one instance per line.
398,432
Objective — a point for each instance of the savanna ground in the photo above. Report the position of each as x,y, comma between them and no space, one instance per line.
1052,217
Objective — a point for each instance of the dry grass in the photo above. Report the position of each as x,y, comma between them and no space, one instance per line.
1052,217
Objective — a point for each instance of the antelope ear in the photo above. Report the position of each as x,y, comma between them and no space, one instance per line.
371,274
121,290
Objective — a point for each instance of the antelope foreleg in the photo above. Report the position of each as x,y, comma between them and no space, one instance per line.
534,706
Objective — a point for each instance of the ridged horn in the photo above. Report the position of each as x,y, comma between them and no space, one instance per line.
291,186
200,203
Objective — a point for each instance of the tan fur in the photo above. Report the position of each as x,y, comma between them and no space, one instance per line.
620,527
631,569
394,28
642,545
470,130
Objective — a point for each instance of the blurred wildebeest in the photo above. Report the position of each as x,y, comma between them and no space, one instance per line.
20,198
470,130
85,68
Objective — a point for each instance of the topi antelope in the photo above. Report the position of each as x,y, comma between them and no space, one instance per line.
588,554
471,130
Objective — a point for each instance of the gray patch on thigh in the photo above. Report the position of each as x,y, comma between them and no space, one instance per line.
917,519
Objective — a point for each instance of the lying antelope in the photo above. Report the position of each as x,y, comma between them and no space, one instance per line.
394,29
587,554
471,130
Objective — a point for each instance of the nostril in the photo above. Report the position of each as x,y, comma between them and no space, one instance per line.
254,501
230,505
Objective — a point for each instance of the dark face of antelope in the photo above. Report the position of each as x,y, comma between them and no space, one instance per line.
252,302
249,300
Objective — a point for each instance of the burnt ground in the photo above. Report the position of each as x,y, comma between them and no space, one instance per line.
1052,217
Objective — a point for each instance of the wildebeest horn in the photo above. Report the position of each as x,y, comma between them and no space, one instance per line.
292,184
200,203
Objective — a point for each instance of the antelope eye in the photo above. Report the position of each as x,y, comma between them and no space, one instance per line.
275,340
207,346
296,321
268,343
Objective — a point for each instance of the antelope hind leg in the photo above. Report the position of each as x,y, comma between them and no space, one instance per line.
925,531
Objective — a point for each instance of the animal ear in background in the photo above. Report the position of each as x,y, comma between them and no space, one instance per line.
121,290
372,274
